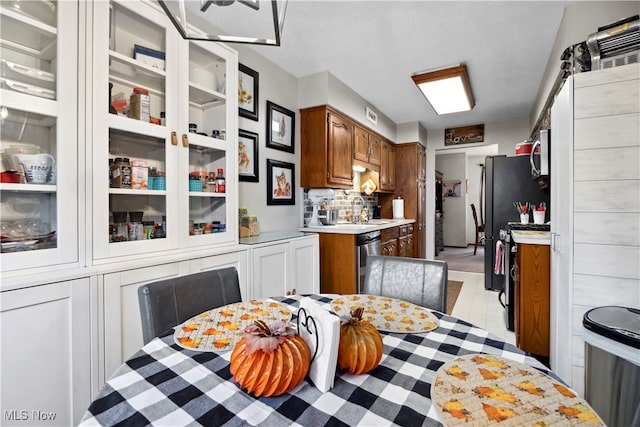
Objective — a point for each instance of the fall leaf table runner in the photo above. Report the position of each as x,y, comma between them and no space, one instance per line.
483,390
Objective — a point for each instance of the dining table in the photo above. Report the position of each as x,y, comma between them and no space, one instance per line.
166,383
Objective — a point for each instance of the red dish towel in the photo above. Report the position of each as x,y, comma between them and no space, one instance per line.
498,268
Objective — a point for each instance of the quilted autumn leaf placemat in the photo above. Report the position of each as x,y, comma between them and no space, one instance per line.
480,389
221,328
387,314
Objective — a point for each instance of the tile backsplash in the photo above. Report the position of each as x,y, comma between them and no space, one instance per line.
342,201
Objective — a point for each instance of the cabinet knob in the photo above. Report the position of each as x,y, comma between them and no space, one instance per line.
174,138
185,140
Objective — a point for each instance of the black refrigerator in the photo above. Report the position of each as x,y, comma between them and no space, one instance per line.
508,180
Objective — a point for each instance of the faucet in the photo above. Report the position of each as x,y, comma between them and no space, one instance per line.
356,217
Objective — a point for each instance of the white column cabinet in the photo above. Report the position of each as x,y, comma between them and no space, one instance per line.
38,103
285,267
46,354
595,202
120,310
187,86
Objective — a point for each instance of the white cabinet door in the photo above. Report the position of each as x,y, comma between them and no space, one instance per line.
46,354
561,231
183,88
305,265
270,271
39,129
122,327
209,71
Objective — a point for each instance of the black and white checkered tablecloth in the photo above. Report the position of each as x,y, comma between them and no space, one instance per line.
165,384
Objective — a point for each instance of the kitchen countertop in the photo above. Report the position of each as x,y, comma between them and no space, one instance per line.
270,236
532,237
348,228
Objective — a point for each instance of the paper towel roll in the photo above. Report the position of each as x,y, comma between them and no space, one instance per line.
398,209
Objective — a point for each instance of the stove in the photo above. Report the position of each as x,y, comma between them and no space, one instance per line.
510,249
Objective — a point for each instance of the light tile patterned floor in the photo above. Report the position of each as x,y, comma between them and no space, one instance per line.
479,306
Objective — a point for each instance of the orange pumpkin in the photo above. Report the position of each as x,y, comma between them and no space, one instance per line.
360,348
269,361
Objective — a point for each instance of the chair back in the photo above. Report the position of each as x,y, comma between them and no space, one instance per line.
169,302
418,281
475,215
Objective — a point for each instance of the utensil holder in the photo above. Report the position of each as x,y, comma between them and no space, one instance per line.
524,218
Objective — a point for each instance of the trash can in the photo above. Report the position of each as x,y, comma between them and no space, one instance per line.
612,363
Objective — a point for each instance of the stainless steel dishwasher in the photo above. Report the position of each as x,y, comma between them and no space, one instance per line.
367,244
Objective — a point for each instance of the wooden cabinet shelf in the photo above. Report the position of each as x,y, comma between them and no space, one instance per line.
532,299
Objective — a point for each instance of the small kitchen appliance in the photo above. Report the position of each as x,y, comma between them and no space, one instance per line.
317,196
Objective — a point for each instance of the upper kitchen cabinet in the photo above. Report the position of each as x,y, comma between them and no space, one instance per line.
366,146
39,134
388,167
327,149
164,134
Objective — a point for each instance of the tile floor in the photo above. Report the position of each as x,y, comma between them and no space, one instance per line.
479,306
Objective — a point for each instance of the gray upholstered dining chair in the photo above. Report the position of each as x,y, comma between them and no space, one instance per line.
167,303
418,281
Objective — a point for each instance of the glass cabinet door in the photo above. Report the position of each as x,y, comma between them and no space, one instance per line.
38,134
208,165
164,135
135,118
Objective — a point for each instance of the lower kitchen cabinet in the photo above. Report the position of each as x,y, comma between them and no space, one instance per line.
121,326
46,354
389,241
338,269
532,298
285,267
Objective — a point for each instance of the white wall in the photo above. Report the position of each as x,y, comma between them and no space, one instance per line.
279,87
579,21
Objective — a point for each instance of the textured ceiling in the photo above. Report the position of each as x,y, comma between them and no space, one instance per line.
375,46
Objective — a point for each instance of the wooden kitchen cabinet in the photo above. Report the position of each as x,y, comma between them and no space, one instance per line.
366,146
405,241
338,272
410,185
389,241
532,298
388,167
327,149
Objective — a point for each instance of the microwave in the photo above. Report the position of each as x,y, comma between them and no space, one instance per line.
540,157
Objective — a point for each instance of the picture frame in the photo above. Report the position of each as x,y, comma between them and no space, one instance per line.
451,188
248,156
281,178
464,135
281,127
248,96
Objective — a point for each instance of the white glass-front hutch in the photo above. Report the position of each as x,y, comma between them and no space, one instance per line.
38,134
156,158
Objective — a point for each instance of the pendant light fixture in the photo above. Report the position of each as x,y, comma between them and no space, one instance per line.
447,90
231,21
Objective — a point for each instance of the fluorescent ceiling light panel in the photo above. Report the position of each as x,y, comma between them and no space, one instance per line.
448,90
239,21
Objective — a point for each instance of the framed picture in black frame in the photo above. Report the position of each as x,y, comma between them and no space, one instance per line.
281,126
248,85
247,156
281,177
